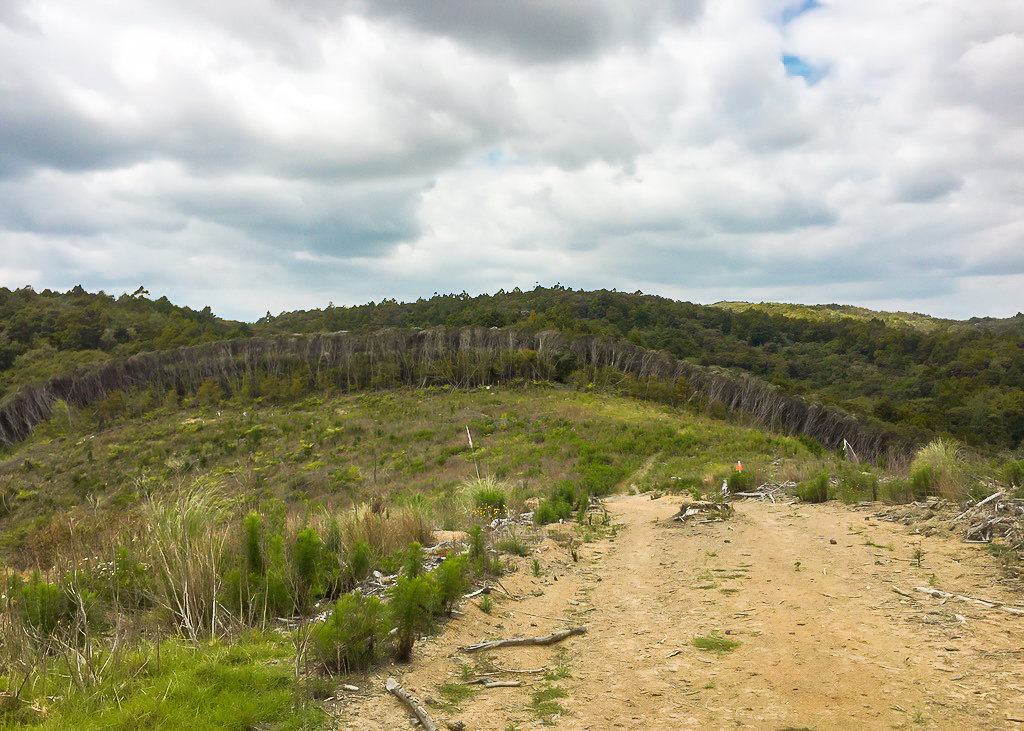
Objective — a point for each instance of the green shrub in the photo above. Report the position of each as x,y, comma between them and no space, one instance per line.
256,599
559,505
450,579
125,581
477,549
512,544
306,567
412,605
814,490
351,638
252,539
360,561
744,481
44,606
412,565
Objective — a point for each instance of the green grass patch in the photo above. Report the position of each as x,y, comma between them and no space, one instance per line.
545,704
715,643
247,684
453,695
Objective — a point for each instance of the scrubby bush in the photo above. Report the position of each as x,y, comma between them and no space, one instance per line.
351,638
813,445
924,481
814,490
513,544
123,581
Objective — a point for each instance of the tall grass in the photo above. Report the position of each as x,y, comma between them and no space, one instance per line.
184,541
938,469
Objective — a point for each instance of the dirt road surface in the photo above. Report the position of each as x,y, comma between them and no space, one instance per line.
825,643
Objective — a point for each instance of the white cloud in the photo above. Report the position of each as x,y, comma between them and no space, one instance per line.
270,155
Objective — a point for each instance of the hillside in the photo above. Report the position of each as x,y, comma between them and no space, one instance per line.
918,376
75,480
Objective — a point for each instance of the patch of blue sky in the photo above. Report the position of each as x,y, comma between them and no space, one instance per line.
796,66
793,12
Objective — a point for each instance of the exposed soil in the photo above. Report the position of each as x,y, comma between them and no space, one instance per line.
825,641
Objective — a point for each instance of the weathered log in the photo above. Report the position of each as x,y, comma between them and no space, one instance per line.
395,689
521,641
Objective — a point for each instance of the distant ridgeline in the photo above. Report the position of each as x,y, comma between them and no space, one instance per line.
287,366
914,373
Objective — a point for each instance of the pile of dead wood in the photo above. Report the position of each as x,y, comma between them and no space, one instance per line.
774,491
703,511
997,516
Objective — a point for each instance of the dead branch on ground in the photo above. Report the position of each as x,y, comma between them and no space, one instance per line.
522,641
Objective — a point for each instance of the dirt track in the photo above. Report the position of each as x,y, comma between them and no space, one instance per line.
826,642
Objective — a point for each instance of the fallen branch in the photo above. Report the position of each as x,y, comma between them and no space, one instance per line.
991,604
494,683
421,713
521,641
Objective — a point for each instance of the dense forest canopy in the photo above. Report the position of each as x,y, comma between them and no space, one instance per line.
965,379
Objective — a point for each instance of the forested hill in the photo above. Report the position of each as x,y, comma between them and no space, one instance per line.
43,334
961,378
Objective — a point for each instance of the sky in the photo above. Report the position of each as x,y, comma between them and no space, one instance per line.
274,155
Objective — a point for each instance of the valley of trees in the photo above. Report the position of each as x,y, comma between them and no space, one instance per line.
908,374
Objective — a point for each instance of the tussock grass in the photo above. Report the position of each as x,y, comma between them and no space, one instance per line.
937,469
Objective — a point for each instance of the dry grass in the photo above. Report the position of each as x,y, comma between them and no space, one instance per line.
185,538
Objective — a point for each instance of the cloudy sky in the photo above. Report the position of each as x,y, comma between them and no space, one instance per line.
283,154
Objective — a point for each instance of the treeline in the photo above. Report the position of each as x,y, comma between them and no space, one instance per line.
962,379
287,366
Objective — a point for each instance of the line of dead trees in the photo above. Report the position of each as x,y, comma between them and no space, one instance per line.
458,358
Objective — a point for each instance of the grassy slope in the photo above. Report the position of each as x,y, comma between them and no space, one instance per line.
75,489
69,485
